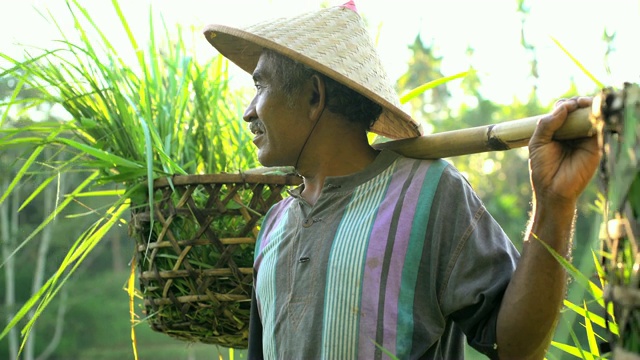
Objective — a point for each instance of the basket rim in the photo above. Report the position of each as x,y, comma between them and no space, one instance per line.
222,178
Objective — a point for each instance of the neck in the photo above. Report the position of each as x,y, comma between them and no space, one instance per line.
338,153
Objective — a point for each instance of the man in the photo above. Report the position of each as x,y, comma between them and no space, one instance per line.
375,253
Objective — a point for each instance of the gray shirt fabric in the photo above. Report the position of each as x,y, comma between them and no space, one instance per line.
401,257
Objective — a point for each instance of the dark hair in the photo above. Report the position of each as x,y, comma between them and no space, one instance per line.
291,75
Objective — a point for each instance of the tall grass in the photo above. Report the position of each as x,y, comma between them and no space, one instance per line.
620,168
164,114
167,102
618,122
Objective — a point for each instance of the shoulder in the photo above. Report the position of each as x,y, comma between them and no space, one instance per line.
278,209
275,214
439,173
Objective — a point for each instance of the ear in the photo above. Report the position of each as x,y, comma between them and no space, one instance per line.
317,101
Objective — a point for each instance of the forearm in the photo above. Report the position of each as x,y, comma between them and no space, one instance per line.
531,305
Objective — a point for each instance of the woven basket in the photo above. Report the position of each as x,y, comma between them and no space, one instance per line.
195,256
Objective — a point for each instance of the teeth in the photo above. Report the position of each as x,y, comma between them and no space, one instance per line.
256,128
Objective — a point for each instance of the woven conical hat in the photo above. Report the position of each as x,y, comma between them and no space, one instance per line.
333,41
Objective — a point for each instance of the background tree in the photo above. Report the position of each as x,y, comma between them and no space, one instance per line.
501,179
424,66
8,238
609,40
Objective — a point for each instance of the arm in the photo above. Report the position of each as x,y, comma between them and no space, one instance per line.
559,173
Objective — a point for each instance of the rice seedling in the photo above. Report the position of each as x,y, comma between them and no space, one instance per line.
164,115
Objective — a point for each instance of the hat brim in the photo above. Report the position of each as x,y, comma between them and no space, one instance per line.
244,49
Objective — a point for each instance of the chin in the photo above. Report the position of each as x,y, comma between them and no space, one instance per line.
269,161
265,160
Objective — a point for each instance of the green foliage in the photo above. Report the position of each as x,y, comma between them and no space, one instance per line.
418,91
501,180
168,106
577,62
424,68
97,325
619,122
165,114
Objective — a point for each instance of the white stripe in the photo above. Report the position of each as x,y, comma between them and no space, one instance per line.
267,288
344,270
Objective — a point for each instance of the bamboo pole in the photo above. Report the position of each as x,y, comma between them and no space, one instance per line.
502,136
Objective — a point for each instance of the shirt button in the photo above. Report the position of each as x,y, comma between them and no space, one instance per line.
307,222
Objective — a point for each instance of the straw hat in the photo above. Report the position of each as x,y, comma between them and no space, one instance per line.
333,41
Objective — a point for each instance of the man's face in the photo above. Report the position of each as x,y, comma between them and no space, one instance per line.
277,126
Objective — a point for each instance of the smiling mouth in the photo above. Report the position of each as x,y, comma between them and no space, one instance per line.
256,128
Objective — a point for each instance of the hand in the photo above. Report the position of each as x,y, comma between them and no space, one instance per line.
560,170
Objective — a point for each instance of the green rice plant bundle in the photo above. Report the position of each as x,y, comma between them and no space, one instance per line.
136,119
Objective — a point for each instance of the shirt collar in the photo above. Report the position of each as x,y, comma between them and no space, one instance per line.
348,182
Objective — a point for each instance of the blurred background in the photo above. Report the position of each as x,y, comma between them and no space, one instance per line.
517,70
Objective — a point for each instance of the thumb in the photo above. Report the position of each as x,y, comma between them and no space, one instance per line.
550,123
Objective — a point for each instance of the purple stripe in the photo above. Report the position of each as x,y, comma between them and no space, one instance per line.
400,248
275,215
372,275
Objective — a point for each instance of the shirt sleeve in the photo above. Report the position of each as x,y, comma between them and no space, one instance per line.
480,265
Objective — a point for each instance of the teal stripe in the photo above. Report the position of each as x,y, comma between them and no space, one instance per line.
266,290
413,257
345,269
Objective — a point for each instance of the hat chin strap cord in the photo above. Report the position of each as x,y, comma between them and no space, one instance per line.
304,145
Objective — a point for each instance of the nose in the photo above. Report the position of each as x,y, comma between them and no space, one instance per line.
250,113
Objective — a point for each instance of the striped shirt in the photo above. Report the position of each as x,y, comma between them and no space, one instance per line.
401,258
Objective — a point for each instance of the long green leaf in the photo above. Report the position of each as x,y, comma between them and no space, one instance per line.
105,156
12,100
71,257
430,85
150,176
100,193
105,40
591,337
595,318
581,279
575,61
572,350
9,141
384,350
132,39
51,216
78,256
20,174
23,311
37,191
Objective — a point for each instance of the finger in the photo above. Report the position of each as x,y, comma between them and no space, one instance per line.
581,101
559,102
550,123
569,104
584,101
564,101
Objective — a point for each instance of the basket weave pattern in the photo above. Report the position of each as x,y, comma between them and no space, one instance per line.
195,255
